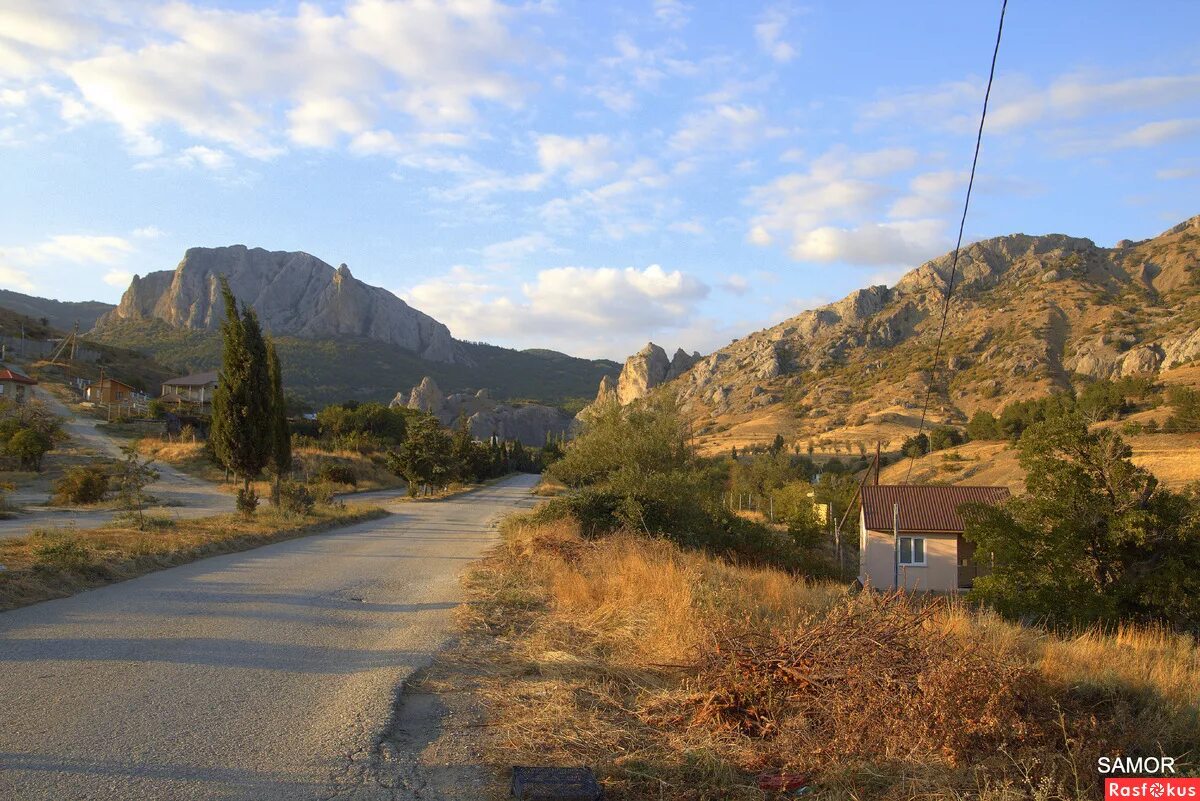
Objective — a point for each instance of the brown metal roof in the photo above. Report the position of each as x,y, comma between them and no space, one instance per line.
924,507
194,380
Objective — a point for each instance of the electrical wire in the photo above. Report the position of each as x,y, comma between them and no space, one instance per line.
937,353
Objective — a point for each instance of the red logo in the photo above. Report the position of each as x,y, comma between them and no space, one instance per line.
1151,788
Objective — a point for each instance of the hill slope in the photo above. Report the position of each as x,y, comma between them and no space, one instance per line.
58,314
1030,314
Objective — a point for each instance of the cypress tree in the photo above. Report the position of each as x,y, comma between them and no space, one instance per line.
241,424
281,437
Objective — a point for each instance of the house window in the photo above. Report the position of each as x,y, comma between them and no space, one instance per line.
912,551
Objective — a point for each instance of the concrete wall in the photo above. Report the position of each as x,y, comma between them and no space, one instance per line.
877,562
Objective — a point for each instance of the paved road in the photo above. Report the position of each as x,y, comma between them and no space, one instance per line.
179,495
255,676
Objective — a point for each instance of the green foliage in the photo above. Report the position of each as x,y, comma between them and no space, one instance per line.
132,476
81,485
246,500
915,446
156,409
942,437
1018,416
337,472
1185,405
1094,537
355,424
28,431
65,553
295,498
281,437
29,447
425,457
1102,400
984,426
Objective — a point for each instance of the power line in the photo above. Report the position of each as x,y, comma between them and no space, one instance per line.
937,353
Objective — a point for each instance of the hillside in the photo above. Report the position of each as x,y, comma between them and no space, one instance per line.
1031,314
336,369
58,314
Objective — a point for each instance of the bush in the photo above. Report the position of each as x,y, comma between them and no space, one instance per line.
63,554
247,501
337,473
295,498
28,447
984,426
80,485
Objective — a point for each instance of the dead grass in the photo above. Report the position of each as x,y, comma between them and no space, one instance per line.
680,677
52,563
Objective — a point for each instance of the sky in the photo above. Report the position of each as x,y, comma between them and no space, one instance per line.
581,175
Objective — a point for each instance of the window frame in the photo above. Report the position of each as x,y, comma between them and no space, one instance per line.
924,551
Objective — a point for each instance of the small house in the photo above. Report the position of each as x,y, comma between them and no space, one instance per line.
194,389
15,385
911,537
109,390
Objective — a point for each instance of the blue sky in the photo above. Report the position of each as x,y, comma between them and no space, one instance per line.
581,175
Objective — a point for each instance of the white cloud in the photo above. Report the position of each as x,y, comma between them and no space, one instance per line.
930,194
261,81
583,160
892,243
769,32
1177,173
595,311
34,267
1151,134
118,278
727,126
672,13
830,212
149,232
735,284
515,251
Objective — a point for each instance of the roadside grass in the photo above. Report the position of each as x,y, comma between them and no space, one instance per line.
679,676
56,562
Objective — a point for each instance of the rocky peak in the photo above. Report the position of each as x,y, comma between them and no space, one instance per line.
681,362
607,391
293,293
426,396
643,371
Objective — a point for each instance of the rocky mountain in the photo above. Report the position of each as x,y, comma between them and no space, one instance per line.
647,369
293,293
530,423
1030,314
339,338
60,314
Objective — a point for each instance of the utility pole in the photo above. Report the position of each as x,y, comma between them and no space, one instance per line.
896,546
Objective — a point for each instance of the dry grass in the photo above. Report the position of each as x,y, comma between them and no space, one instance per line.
52,563
680,677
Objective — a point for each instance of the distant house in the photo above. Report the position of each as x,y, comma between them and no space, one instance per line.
109,390
15,385
911,537
194,389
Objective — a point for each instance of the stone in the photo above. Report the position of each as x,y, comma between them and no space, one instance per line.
643,371
293,293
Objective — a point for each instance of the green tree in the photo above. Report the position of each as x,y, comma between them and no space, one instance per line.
241,422
777,445
1093,538
281,437
1185,403
29,446
984,426
942,437
426,455
1101,400
132,476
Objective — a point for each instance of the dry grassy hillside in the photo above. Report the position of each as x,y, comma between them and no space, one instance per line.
1031,315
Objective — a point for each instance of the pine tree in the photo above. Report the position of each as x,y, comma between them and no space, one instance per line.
241,425
281,437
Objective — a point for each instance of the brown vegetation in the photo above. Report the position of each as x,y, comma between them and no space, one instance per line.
678,676
52,563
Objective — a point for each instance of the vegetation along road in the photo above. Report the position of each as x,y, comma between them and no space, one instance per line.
267,674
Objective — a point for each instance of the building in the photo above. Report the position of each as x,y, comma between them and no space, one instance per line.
109,390
15,385
911,537
194,389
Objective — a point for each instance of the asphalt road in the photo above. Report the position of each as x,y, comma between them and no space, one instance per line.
262,675
178,494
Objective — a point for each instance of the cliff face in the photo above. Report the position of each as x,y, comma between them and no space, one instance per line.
293,293
531,424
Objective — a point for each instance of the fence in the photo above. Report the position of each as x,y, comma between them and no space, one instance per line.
42,349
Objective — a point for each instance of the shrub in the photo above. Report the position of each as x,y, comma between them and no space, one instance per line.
247,501
83,484
63,554
985,426
28,447
337,473
295,498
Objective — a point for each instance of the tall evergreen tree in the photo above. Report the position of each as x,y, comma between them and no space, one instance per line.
241,425
281,437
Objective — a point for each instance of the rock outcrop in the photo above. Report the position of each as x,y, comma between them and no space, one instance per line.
293,293
531,424
643,371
